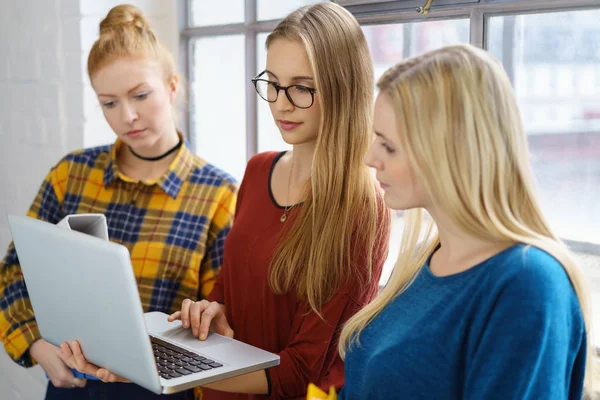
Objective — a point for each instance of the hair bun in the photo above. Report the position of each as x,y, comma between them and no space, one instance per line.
124,16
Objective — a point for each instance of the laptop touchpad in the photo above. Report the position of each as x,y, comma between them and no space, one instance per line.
185,336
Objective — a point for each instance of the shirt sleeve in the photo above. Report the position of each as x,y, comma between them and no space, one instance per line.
18,327
533,345
219,228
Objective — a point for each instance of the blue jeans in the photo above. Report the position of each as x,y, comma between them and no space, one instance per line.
98,390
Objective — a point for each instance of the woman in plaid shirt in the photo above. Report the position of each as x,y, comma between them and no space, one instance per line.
169,207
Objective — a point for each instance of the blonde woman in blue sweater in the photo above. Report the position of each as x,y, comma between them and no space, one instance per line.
485,301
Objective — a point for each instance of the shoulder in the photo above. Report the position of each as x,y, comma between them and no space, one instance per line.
79,163
528,266
88,157
264,160
205,173
261,164
532,279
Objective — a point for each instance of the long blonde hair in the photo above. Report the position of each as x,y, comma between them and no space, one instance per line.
125,32
341,207
459,121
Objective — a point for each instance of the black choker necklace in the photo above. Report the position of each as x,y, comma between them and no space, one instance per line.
178,145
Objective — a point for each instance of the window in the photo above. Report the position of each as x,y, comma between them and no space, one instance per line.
277,9
269,138
204,13
392,43
218,103
554,64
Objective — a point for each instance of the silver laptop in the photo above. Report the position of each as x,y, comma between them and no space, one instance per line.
83,288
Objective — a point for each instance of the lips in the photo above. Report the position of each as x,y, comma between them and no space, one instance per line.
135,132
288,125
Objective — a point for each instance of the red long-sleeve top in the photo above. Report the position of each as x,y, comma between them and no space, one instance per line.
282,324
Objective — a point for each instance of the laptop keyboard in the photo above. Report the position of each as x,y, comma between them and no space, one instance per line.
173,361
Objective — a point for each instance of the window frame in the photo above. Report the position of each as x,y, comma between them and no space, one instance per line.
372,12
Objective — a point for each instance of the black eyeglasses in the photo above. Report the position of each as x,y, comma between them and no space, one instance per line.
300,96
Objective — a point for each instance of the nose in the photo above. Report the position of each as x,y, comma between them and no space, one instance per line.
128,112
368,157
283,104
371,159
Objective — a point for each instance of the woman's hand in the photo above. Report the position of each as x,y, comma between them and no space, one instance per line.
203,316
73,357
48,356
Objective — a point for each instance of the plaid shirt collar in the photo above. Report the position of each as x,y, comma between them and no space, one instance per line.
170,182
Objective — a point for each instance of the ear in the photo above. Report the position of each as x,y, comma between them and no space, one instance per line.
173,84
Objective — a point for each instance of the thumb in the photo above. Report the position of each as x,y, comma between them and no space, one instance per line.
78,382
228,333
222,327
175,316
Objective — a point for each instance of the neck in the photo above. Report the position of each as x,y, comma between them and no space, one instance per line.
140,169
302,157
459,249
160,147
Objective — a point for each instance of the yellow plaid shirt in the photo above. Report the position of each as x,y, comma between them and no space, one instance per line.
174,228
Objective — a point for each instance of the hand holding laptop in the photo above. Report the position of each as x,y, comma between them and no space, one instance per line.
46,355
201,316
72,355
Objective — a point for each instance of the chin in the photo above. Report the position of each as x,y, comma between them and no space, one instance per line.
397,204
141,142
296,138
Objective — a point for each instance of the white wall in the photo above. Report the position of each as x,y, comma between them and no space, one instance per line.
47,108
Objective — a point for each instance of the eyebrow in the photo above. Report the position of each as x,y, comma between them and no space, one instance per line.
381,135
129,91
295,78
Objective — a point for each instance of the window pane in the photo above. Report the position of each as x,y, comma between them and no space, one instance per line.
269,137
277,9
219,102
554,65
393,43
590,264
206,13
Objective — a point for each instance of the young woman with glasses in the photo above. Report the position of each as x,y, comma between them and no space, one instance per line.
310,235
